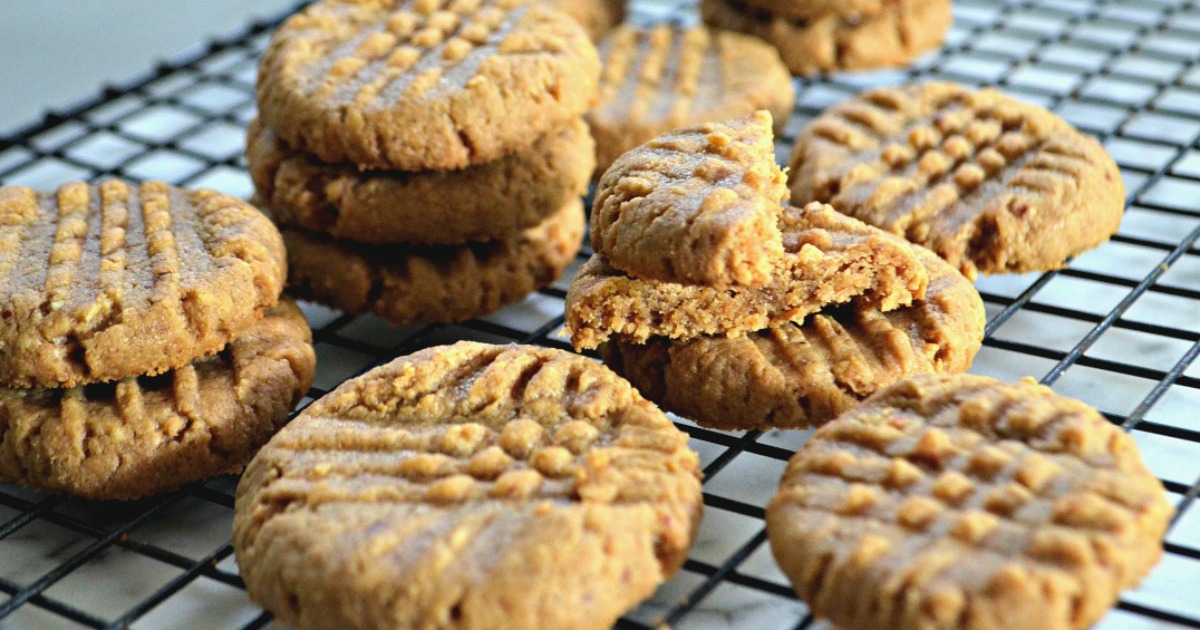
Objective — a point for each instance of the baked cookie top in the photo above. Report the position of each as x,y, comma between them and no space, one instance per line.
699,205
433,284
493,201
893,35
991,184
666,77
797,376
828,259
144,435
469,485
961,501
101,282
424,84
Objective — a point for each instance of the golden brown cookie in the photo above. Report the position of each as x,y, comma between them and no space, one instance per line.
988,182
900,32
468,486
597,17
803,375
699,205
424,84
495,200
829,259
664,78
408,284
101,282
964,502
149,434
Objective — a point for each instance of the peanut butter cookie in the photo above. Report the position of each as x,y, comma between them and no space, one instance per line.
102,282
424,84
699,205
829,259
964,502
991,184
803,375
901,31
663,78
149,434
597,17
408,284
468,486
496,200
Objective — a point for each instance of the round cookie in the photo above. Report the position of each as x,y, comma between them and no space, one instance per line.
468,486
902,31
145,435
102,282
659,79
491,201
964,502
597,17
414,85
803,375
989,183
407,285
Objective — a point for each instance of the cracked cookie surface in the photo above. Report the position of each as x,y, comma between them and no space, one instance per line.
699,205
471,486
101,282
965,502
145,435
495,200
828,259
991,184
899,32
424,84
663,78
803,375
815,9
409,285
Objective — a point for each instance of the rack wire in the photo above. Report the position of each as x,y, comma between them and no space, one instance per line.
1119,328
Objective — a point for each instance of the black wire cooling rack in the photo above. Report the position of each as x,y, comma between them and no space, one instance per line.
1120,328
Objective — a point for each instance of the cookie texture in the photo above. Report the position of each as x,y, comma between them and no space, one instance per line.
495,200
991,184
659,79
699,205
468,486
964,502
815,9
829,259
424,84
408,285
597,17
101,282
797,376
898,33
145,435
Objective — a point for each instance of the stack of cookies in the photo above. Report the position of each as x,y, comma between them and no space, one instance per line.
727,308
143,342
828,35
425,158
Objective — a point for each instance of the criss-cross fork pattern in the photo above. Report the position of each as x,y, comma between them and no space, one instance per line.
1119,328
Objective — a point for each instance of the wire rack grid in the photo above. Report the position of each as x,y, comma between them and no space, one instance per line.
1120,328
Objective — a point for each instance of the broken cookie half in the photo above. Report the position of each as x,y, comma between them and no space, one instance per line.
700,205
